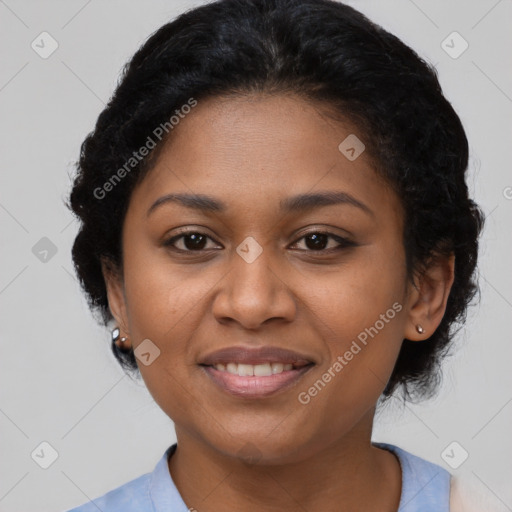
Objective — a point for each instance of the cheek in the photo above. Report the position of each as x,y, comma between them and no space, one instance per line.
167,305
164,306
354,296
361,359
360,316
161,298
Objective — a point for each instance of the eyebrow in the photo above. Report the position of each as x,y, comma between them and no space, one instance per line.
292,204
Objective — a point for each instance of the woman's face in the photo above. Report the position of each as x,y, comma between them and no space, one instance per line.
253,271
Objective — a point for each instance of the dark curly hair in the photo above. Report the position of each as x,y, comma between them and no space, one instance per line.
325,52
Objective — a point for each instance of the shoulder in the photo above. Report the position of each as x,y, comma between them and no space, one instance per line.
429,487
147,493
130,497
425,485
418,472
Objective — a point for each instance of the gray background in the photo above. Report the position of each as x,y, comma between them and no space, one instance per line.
60,384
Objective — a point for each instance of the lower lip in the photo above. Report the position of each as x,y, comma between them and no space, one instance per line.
255,387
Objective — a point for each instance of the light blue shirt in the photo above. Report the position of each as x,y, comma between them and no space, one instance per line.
425,488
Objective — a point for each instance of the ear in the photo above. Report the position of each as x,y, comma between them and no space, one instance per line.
428,297
116,300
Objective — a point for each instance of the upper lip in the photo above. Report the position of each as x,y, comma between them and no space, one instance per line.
250,355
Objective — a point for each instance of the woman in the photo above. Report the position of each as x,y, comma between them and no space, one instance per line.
274,211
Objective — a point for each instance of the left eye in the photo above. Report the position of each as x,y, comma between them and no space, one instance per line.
317,241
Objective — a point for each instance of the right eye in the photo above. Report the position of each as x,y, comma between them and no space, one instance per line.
192,241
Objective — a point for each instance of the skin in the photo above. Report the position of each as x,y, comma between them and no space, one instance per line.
272,453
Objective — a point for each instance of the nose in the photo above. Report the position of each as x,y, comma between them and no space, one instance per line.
254,292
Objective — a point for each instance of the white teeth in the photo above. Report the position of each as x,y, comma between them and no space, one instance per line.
262,370
245,370
277,367
258,370
231,367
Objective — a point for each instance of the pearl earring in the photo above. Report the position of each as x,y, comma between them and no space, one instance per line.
115,335
420,329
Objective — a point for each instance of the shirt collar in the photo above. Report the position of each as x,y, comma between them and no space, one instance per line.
417,476
162,490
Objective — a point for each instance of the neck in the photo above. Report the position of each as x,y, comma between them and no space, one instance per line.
349,474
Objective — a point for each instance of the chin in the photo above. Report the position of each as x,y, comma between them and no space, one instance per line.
258,448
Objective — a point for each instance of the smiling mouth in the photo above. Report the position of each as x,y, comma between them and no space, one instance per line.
253,381
257,370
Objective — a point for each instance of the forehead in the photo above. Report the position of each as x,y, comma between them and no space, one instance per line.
251,150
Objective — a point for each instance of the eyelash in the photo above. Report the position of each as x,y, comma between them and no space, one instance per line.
344,242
